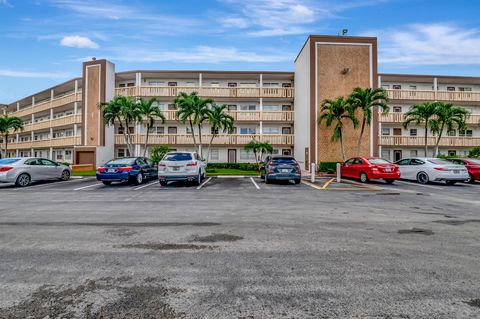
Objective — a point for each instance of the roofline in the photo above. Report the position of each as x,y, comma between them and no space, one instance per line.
431,75
207,72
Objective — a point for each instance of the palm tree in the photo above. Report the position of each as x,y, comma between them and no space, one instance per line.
264,147
336,111
124,110
366,100
253,146
450,117
149,112
8,123
421,113
219,119
184,103
200,113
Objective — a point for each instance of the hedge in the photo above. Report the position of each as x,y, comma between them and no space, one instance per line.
239,166
328,167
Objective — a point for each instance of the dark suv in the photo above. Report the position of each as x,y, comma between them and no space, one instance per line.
281,168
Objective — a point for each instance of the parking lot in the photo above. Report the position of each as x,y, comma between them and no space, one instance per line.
239,248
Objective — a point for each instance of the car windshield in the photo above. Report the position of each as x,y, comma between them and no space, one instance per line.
121,161
8,160
177,157
439,162
378,161
283,161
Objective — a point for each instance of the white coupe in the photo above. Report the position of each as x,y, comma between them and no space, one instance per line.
424,170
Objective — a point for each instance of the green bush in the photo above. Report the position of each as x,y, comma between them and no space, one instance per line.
328,167
239,166
475,152
158,152
443,156
64,163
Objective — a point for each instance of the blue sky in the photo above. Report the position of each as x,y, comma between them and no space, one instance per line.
45,41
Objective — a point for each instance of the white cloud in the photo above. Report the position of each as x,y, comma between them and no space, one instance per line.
239,23
33,74
77,41
200,54
6,3
429,44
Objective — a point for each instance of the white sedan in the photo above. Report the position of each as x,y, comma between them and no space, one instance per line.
424,170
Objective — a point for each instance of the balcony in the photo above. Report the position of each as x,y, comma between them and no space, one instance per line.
216,92
420,141
446,96
394,117
223,139
61,121
56,142
46,105
267,116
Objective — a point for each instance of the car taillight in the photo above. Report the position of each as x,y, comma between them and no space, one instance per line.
296,165
161,165
439,168
101,169
125,169
5,168
192,164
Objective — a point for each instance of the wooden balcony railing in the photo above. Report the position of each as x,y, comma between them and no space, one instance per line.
420,95
226,92
223,139
420,141
61,121
394,117
46,105
55,142
267,116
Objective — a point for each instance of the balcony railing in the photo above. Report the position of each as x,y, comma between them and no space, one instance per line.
420,141
394,117
267,116
448,96
55,142
61,121
46,105
225,92
223,139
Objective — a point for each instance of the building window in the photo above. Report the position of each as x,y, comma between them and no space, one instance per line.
121,85
452,153
271,84
386,86
122,152
244,155
452,133
413,132
397,109
467,133
68,155
248,107
215,84
131,84
248,84
270,130
159,130
286,152
385,131
172,107
247,130
412,87
397,87
465,89
386,154
190,83
214,131
286,130
156,83
413,153
275,152
286,85
232,107
188,130
214,154
172,83
172,130
271,107
232,84
286,107
450,88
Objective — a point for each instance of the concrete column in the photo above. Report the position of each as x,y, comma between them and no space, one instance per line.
200,79
33,101
51,114
379,81
33,118
261,113
18,106
52,94
138,79
261,80
75,108
51,154
75,128
76,86
51,133
16,152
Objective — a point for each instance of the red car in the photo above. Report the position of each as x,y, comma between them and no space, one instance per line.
367,168
472,165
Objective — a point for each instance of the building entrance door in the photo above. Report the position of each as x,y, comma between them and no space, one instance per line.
397,155
232,156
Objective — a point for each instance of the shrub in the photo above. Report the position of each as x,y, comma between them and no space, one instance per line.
443,156
65,163
239,166
328,167
158,152
475,152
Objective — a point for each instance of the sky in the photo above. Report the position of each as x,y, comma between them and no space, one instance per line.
45,41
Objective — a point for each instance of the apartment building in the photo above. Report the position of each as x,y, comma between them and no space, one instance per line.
64,122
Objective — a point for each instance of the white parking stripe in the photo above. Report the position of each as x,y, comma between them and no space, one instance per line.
254,183
149,184
311,185
203,184
421,185
77,189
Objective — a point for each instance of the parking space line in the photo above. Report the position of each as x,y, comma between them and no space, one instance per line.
33,186
146,185
203,184
421,185
325,186
88,186
254,183
311,185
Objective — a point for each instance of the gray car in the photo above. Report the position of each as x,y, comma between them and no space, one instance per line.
25,170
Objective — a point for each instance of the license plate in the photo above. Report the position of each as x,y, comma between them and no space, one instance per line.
388,170
176,169
111,170
284,170
456,171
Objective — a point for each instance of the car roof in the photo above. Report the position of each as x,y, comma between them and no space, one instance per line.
283,157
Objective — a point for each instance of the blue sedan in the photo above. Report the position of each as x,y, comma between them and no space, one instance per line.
127,169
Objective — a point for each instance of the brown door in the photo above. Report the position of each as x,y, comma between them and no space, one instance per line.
397,131
307,159
232,156
85,157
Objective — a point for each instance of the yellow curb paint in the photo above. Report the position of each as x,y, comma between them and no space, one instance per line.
311,185
325,186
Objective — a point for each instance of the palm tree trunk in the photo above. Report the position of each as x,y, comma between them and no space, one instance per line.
438,139
193,134
360,138
146,141
200,140
342,147
209,146
426,138
6,145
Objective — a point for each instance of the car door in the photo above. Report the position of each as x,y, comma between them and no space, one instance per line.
415,167
357,167
49,169
405,169
347,168
142,166
152,168
34,169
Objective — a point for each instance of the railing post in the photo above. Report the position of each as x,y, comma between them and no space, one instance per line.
312,172
339,175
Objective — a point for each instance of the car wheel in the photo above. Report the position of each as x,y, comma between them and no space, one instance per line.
389,181
163,183
450,182
23,180
198,180
363,177
139,179
423,178
470,180
107,183
65,175
297,181
267,180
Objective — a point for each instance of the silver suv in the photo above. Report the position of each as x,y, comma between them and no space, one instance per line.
181,166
